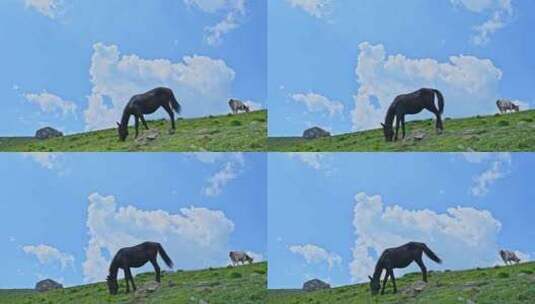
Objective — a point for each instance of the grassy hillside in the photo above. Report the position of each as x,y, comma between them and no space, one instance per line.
244,284
243,132
503,285
511,132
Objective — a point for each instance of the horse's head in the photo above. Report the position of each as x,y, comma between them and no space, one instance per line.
249,259
516,108
246,108
122,131
375,285
388,132
112,285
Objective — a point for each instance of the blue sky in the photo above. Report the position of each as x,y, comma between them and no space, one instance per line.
64,213
74,64
332,66
330,215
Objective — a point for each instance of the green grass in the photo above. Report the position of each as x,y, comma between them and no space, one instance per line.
510,132
503,285
243,132
244,284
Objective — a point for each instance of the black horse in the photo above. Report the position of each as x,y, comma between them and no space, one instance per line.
400,257
148,103
135,256
412,103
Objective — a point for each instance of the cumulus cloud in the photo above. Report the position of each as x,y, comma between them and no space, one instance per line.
201,84
257,257
314,254
194,237
311,159
499,11
315,8
499,167
470,85
462,229
48,254
48,8
234,12
228,172
45,159
318,103
50,103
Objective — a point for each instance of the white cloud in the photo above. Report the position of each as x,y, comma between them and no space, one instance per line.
48,254
201,84
235,11
476,157
45,159
499,167
311,159
257,257
316,8
314,254
50,103
48,8
469,84
318,103
462,229
253,106
500,12
193,238
229,171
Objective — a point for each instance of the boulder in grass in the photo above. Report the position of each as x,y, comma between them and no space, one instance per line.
315,284
46,285
315,132
47,132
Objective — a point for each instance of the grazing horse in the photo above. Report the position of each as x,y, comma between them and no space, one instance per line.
147,103
239,256
135,256
412,103
506,105
400,257
509,257
237,105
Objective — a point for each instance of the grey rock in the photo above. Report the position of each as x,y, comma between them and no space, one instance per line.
315,284
315,132
47,132
415,288
148,288
46,285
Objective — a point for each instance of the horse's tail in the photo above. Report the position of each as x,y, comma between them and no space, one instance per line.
174,104
430,254
440,101
165,257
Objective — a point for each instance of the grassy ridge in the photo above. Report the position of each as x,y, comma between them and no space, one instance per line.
236,285
511,132
243,132
503,285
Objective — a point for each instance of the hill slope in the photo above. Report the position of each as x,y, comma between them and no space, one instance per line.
243,132
511,285
510,132
244,284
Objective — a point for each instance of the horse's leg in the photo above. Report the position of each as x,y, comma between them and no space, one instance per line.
131,279
126,280
143,121
384,282
171,114
403,126
397,128
137,125
393,280
423,268
156,269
